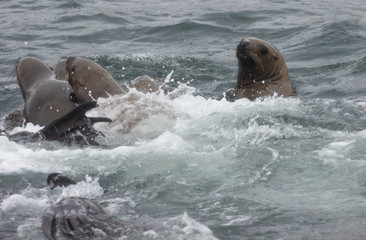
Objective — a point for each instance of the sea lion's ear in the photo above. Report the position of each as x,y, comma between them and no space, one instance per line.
275,57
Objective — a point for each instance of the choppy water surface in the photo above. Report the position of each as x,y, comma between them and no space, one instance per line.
196,166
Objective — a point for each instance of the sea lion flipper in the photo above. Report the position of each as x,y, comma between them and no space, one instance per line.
99,119
49,226
66,125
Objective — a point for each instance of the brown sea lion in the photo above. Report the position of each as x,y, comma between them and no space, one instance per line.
89,80
45,97
262,71
15,118
51,103
145,84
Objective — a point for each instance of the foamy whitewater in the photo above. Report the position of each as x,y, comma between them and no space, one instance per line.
185,159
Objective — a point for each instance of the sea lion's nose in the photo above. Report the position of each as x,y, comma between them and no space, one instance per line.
243,44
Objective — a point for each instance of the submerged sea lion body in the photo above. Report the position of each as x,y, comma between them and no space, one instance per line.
82,218
90,81
262,71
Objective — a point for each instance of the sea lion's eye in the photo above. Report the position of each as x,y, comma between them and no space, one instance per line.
264,49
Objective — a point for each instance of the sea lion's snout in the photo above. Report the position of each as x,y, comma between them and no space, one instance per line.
243,44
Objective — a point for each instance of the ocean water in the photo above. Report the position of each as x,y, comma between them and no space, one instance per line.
194,166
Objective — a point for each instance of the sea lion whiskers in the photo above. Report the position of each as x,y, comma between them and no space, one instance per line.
12,73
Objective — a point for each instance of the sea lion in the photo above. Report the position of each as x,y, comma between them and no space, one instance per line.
45,97
51,103
145,84
15,118
89,80
262,71
82,218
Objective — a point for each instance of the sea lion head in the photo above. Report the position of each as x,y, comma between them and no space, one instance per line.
259,61
89,80
29,71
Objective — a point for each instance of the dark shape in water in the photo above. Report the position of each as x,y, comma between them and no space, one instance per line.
79,218
58,180
72,127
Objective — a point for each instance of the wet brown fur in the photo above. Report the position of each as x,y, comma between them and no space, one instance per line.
262,71
90,81
45,97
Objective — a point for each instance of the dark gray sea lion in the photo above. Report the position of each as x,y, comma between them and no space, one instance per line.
71,127
81,218
262,71
58,180
90,81
45,97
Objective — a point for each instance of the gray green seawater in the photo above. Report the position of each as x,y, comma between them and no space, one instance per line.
290,168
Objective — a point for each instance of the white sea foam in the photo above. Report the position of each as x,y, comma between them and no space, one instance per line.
18,202
179,122
89,188
29,127
180,227
18,158
192,142
116,205
133,109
